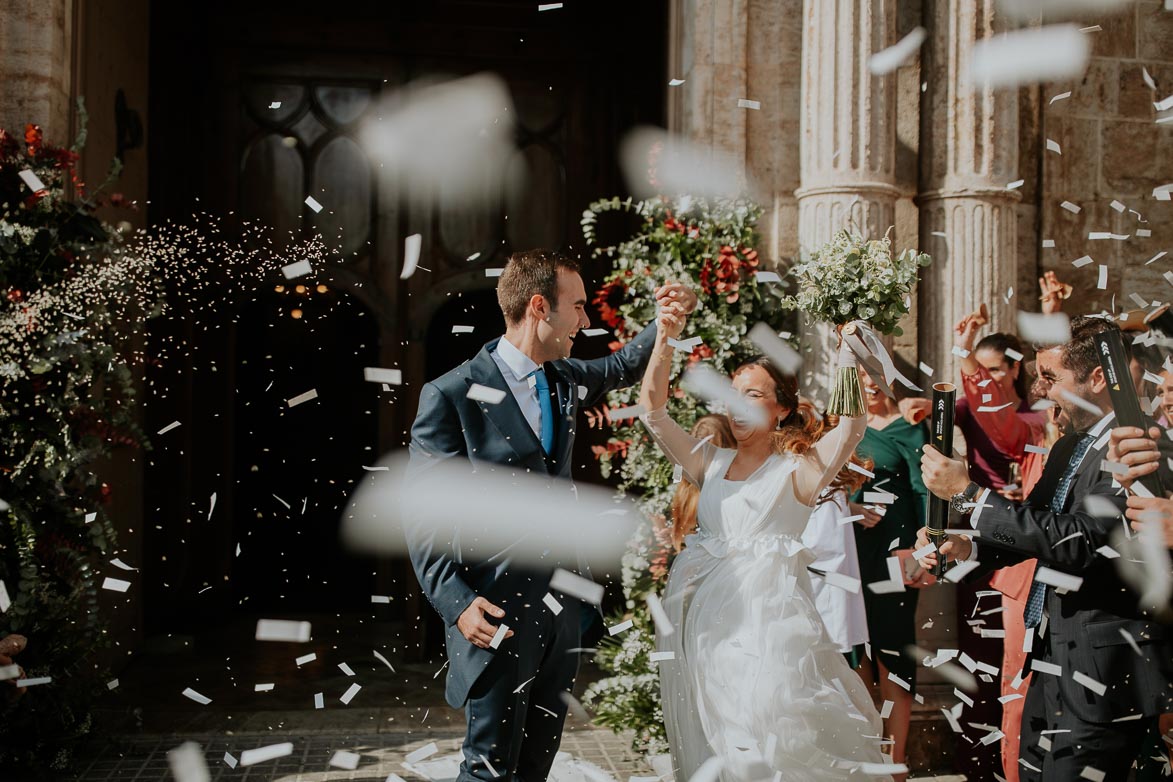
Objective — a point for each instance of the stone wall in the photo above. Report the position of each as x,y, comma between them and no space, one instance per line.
1111,149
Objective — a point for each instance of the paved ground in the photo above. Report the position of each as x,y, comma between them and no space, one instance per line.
393,714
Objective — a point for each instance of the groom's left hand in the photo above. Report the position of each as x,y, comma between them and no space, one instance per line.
677,297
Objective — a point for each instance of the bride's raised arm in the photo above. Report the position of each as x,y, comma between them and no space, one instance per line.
819,466
679,446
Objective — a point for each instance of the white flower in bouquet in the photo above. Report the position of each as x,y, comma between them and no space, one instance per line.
850,278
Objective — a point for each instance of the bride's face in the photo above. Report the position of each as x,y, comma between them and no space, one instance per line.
756,386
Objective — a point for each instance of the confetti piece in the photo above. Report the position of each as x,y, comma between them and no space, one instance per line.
687,345
384,660
1048,243
776,349
861,470
1045,667
1094,774
32,180
491,396
499,636
312,203
742,103
168,427
187,763
553,604
112,684
346,669
1059,97
594,332
1070,207
1118,206
251,757
392,377
298,269
1051,53
960,571
348,696
411,255
1164,105
878,497
283,630
423,752
118,563
846,583
675,82
661,656
547,7
925,368
1089,682
263,687
306,658
1058,579
1053,146
1017,183
960,352
319,700
624,413
300,398
1081,403
1102,280
115,584
346,760
195,696
888,60
619,628
496,272
574,585
230,761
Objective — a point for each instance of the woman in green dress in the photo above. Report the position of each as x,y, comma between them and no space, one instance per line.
894,445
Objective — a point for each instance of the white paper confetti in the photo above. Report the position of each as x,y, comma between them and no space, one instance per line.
351,691
297,269
619,628
187,763
283,630
312,203
1027,56
195,696
742,103
490,396
893,57
168,427
115,584
305,397
251,757
346,760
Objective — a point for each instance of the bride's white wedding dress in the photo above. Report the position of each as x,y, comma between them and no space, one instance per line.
755,680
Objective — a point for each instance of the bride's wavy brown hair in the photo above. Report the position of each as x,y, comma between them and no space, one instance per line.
804,426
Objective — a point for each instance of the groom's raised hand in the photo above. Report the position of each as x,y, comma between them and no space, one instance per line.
473,625
676,297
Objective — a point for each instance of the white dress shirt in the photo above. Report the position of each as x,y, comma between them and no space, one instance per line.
516,367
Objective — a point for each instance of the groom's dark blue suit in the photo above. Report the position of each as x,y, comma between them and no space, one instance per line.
512,694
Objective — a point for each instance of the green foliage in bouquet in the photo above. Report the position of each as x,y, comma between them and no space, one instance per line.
69,300
850,278
709,243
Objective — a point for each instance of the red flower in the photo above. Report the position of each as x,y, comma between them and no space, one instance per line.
608,299
33,137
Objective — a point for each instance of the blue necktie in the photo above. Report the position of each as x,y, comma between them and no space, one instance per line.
1033,615
542,384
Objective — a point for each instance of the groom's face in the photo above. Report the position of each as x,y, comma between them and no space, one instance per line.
566,316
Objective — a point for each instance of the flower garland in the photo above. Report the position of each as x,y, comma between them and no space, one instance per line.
710,243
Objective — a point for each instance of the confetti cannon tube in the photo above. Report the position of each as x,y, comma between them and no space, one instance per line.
941,438
1125,402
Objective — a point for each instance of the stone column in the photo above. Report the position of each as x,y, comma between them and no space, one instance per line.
725,50
969,153
36,73
848,143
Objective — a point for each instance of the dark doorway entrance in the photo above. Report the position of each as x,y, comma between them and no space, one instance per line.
579,77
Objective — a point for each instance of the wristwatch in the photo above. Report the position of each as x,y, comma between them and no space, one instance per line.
959,502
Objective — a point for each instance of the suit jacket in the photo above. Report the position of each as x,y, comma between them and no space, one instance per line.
450,425
1086,627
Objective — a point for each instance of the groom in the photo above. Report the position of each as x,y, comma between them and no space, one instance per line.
513,692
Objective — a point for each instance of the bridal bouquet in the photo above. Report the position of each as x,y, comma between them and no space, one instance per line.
858,286
850,278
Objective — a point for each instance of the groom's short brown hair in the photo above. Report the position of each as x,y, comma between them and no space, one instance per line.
527,273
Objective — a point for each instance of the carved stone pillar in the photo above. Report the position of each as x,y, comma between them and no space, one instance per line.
36,56
969,154
848,143
725,50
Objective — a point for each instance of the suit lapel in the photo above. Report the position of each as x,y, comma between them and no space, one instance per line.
506,416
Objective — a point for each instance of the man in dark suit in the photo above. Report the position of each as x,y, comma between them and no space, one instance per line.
1103,667
513,693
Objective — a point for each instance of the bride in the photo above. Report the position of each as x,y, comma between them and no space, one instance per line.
755,685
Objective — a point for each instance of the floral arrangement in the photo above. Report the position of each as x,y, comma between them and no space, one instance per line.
67,398
710,243
850,278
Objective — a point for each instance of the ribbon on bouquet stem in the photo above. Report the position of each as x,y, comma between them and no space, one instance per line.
871,354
